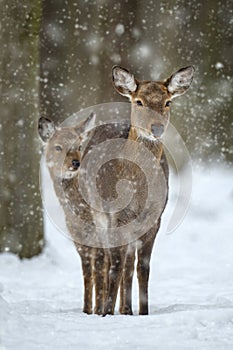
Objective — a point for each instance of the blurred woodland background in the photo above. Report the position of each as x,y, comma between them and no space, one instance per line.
56,58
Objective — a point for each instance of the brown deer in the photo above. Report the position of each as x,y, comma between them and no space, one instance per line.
63,156
150,114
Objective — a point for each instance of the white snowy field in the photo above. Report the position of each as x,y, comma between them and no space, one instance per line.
191,286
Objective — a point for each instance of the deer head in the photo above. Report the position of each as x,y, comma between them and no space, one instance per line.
64,146
151,100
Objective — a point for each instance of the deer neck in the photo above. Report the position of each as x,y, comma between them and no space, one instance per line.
153,144
68,183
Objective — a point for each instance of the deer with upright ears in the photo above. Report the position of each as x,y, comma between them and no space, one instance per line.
150,112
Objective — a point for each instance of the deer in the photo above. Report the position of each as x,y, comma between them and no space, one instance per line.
150,113
111,268
63,156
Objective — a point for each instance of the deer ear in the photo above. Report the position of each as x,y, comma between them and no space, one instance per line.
46,128
180,81
123,81
86,125
84,130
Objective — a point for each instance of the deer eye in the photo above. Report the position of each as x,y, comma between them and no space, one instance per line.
139,103
58,148
168,103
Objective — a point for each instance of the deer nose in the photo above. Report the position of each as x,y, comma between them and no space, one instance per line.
157,129
75,163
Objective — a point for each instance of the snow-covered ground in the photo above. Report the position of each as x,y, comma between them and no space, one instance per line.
191,286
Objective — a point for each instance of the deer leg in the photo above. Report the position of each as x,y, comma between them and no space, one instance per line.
143,269
117,260
99,275
86,258
121,306
126,283
106,277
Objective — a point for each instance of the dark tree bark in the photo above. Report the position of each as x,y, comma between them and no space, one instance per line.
21,224
80,42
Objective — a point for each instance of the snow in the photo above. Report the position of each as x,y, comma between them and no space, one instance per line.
219,65
191,289
120,29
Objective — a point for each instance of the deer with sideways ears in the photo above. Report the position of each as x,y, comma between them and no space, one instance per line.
63,157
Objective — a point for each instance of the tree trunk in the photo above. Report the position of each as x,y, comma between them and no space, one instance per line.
21,224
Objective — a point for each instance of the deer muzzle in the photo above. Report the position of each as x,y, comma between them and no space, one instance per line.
157,130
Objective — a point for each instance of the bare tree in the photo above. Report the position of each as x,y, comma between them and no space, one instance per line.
21,224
